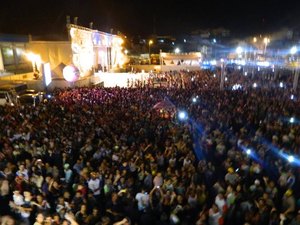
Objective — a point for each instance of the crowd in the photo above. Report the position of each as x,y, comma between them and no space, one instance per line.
105,156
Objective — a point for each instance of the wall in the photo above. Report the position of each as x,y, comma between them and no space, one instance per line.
54,52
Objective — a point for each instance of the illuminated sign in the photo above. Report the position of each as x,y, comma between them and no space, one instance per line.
47,74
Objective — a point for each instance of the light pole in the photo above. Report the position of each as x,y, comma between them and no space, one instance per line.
266,42
294,51
150,43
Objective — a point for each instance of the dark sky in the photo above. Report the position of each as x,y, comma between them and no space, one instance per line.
134,17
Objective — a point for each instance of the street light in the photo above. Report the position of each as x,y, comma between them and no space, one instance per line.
150,43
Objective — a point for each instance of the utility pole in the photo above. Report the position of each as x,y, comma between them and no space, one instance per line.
222,76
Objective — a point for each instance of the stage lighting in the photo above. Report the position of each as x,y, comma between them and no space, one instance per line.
182,115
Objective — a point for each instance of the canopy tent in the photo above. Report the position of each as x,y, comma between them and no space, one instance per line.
165,108
165,105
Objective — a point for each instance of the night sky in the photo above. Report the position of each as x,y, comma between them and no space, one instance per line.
137,17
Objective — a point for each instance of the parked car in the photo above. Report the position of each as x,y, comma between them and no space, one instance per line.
29,99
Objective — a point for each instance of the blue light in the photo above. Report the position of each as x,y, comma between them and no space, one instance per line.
49,96
294,50
291,159
248,151
214,40
182,115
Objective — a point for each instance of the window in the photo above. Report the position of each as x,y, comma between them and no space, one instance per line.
8,56
20,53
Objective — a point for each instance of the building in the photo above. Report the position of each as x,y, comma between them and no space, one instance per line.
12,57
87,49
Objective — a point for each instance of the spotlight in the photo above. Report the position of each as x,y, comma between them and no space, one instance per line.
292,120
281,84
194,100
182,115
248,151
292,97
49,96
255,85
291,159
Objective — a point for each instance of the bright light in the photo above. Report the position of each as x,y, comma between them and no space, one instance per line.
281,84
47,74
177,50
184,40
246,73
254,39
292,120
71,73
194,100
291,159
248,151
150,42
226,78
192,79
214,40
126,51
266,40
294,50
49,96
264,63
292,97
182,115
34,58
239,50
236,87
214,75
255,85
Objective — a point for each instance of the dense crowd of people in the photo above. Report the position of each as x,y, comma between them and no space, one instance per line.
105,156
